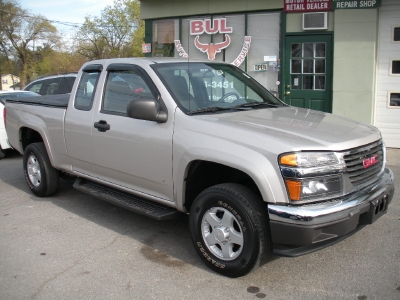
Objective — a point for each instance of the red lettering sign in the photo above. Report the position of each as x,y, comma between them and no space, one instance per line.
209,26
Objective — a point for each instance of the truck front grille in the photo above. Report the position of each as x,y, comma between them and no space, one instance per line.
364,163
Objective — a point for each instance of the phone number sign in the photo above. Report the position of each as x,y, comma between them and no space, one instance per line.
306,5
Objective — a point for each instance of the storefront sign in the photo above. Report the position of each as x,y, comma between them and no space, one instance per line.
260,67
242,55
215,26
179,48
146,48
351,4
306,5
212,48
209,26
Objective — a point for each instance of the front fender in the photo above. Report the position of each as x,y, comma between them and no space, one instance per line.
264,173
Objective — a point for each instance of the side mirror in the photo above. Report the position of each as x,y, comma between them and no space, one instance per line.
146,109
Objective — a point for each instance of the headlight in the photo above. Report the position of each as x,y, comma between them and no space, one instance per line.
318,188
312,176
308,159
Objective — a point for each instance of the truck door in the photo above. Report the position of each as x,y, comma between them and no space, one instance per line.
78,121
135,154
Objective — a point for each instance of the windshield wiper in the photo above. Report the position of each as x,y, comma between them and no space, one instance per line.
208,109
254,103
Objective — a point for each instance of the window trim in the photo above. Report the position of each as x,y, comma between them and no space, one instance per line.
388,101
88,70
392,35
390,67
115,67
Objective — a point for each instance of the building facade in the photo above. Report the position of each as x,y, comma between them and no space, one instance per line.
338,56
7,81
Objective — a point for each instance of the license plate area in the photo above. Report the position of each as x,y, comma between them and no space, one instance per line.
378,208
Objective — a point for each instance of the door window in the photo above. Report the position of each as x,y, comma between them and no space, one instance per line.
123,87
86,90
308,66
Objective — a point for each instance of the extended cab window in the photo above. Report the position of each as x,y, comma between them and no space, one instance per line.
34,87
122,87
86,90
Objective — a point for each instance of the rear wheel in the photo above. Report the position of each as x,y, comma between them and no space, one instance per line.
40,175
2,154
229,228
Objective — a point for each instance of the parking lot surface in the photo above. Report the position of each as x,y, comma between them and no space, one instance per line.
73,246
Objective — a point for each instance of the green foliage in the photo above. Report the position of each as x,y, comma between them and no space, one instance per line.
30,46
117,33
18,33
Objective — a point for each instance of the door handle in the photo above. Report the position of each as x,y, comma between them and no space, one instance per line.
287,93
102,126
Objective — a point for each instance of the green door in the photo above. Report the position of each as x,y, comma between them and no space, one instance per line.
307,73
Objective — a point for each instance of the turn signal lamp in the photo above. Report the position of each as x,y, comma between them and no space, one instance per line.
308,159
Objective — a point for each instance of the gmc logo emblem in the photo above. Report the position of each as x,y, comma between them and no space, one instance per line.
370,161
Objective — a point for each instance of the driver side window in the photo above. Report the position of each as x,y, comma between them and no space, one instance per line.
121,88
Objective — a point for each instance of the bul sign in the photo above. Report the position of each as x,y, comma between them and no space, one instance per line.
208,26
211,27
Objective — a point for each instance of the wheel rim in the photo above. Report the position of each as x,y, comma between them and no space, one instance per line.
34,173
222,233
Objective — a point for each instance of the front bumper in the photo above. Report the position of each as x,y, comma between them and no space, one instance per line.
298,230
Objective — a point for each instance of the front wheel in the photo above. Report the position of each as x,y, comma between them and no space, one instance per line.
40,175
230,230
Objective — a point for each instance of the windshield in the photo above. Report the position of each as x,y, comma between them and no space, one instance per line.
211,87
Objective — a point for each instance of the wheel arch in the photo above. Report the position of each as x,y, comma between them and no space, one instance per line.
203,174
29,135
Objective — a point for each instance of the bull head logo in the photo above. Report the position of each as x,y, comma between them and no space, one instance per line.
212,48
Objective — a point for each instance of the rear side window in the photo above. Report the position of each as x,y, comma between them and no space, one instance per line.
34,87
50,86
86,90
122,87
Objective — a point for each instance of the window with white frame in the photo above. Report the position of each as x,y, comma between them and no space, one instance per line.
396,34
395,67
394,99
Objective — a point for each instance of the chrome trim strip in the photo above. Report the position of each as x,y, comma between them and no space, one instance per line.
314,214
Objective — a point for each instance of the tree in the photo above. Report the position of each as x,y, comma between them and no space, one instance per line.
118,32
18,33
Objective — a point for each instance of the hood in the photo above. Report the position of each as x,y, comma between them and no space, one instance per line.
299,128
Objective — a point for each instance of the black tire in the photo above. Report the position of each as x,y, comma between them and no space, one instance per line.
239,238
40,175
2,154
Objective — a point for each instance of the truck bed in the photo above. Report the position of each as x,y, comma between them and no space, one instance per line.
60,101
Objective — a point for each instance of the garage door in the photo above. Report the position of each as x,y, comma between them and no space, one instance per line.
387,112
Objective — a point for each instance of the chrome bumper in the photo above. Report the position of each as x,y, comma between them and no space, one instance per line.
297,230
333,210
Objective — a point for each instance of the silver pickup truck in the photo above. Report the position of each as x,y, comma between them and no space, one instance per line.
163,137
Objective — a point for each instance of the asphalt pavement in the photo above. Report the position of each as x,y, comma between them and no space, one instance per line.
73,246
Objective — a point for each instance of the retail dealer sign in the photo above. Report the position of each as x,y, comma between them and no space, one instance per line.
352,4
306,5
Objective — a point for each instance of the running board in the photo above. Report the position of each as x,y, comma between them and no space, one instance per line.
135,204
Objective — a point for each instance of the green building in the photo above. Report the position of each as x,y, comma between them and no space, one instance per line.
338,56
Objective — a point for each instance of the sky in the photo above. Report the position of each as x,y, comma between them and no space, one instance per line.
73,11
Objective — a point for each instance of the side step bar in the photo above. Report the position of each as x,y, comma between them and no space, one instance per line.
138,205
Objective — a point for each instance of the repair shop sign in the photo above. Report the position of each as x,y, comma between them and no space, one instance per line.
355,4
306,5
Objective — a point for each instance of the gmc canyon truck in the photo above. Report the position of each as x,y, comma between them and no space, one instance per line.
163,137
